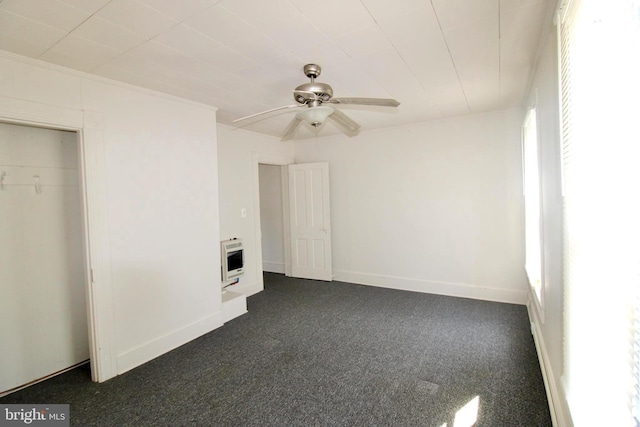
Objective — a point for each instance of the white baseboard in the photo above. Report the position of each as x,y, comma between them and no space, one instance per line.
152,349
273,267
557,403
430,287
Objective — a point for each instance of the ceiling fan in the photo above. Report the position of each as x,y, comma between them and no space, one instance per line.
312,96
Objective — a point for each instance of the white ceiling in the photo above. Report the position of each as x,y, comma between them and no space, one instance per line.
439,58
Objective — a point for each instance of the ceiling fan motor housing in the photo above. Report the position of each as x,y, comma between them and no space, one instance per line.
313,91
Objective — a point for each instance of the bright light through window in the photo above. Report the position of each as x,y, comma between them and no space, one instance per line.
600,69
531,166
468,415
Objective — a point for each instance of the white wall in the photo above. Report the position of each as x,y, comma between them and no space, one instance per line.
240,153
271,218
432,207
549,321
152,194
161,160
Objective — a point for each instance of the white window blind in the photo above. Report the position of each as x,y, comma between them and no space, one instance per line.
600,92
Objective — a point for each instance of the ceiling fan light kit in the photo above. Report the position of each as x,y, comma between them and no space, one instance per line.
312,95
315,116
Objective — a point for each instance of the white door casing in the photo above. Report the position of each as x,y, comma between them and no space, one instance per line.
266,159
310,223
89,126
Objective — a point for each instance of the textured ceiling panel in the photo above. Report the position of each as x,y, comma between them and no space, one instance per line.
439,58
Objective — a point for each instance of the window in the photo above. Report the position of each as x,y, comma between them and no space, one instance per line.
600,89
531,186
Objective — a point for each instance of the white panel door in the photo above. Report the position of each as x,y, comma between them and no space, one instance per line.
310,221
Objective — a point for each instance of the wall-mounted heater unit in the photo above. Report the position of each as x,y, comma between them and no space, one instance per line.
232,254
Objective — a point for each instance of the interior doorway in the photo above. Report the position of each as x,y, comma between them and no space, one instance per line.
272,218
294,226
43,270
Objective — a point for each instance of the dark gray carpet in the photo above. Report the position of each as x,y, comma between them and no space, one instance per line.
327,354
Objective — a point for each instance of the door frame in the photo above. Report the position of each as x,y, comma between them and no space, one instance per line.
282,161
88,126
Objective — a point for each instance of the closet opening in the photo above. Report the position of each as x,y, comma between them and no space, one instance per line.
43,255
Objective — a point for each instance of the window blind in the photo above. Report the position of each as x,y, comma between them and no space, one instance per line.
600,89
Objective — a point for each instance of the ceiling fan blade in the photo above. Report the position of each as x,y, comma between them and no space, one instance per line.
291,129
265,112
383,102
344,120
